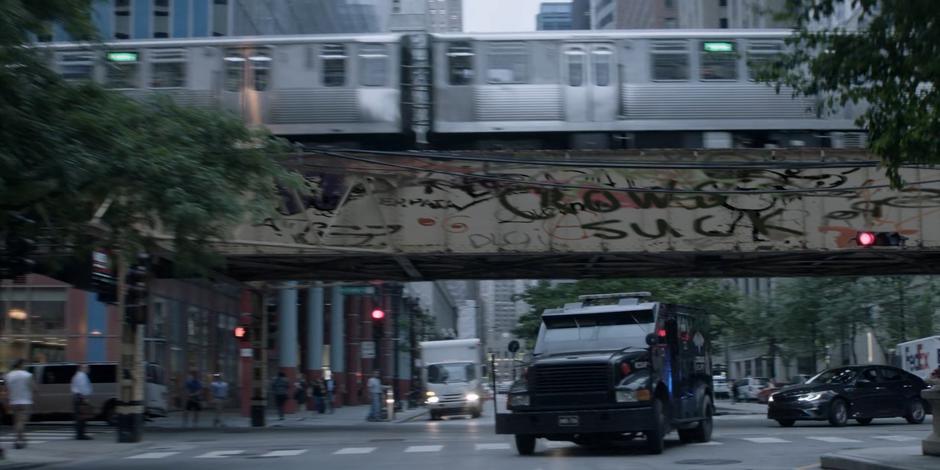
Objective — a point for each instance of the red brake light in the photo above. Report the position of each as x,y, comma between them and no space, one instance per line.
625,368
661,333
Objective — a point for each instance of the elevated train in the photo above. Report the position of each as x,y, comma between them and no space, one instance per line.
570,89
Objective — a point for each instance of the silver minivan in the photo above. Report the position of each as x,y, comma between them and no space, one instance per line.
54,396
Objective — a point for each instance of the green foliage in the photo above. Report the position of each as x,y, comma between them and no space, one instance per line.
889,67
709,294
70,149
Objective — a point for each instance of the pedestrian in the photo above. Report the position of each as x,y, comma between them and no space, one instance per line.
330,389
194,391
81,390
300,394
219,390
375,393
319,393
734,391
280,387
20,388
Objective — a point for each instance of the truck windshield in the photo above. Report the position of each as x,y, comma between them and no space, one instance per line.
595,332
450,373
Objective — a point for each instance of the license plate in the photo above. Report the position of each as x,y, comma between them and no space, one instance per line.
567,420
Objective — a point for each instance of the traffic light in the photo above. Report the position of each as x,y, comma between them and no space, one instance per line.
867,239
241,333
135,297
103,279
378,314
272,326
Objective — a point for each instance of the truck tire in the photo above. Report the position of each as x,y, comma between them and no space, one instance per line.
656,437
702,432
525,444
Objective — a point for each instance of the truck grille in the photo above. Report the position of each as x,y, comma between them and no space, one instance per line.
574,378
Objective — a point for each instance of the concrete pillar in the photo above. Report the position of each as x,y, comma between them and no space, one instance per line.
337,343
931,445
354,362
287,338
315,331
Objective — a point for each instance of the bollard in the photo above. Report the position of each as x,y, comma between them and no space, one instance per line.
931,445
390,403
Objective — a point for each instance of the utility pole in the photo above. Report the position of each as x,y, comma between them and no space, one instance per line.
259,379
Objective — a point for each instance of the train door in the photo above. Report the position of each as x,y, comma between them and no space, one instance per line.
590,78
246,83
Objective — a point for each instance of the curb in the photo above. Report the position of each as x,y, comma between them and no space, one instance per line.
412,418
841,462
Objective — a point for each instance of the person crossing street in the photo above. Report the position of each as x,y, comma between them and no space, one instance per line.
81,390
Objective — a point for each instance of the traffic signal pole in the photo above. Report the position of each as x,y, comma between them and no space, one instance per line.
130,408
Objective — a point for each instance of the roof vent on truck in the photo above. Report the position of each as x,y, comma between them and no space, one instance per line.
621,295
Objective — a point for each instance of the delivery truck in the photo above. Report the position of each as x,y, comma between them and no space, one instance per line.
921,356
452,375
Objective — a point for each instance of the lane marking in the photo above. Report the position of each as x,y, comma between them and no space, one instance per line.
284,453
808,467
219,454
833,439
354,451
436,448
28,442
765,440
897,438
493,446
153,455
558,444
709,443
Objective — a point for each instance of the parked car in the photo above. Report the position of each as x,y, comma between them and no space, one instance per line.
721,387
851,392
750,388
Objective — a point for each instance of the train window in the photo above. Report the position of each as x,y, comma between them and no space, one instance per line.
261,69
373,64
168,68
123,70
122,19
77,65
334,64
670,60
718,60
460,63
761,54
508,63
161,18
600,57
234,71
575,58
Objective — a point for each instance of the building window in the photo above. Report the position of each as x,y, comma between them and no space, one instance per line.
719,60
670,4
220,18
123,70
507,63
606,20
333,57
122,19
373,64
670,60
76,66
760,55
260,69
723,23
161,18
168,68
460,63
722,3
396,6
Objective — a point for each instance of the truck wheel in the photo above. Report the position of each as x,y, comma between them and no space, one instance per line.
915,411
655,438
703,433
525,444
786,422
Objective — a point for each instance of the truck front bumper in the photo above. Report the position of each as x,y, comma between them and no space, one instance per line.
544,423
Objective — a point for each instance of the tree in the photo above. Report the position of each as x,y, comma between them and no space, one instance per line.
72,149
889,66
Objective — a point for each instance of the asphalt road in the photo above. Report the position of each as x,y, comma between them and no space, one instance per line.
748,441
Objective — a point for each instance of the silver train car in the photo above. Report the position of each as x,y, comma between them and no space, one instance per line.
559,89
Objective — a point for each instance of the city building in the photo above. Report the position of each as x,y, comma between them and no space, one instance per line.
553,16
501,309
581,14
436,16
687,14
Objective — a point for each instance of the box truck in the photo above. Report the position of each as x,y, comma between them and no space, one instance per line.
921,356
452,375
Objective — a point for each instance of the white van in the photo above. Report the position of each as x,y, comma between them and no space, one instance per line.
54,395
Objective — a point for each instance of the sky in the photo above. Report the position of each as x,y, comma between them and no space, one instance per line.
484,16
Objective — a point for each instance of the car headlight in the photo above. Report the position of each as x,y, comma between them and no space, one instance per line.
472,397
429,393
518,400
771,399
433,399
810,396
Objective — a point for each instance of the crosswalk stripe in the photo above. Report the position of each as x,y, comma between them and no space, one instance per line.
709,443
765,440
153,455
284,453
354,451
424,448
896,438
493,446
28,442
832,439
219,454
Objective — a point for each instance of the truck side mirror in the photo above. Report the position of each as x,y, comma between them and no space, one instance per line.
652,339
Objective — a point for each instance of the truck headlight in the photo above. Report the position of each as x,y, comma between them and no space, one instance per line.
518,400
433,399
472,397
628,396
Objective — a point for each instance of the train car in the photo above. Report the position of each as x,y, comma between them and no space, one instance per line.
642,88
294,85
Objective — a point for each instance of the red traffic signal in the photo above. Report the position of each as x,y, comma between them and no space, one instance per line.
240,332
378,314
866,238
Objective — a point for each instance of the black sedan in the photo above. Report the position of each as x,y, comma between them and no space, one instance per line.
851,392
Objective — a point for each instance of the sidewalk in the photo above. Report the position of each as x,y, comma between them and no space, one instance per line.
60,451
235,422
725,407
880,458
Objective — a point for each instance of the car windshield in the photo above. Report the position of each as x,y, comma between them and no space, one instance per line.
451,372
834,376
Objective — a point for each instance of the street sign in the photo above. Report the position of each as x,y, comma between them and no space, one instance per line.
368,349
358,290
247,352
513,346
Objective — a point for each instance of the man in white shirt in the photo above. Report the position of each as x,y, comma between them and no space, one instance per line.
375,393
20,388
81,390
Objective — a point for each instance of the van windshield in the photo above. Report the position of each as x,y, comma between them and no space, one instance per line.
594,332
451,372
